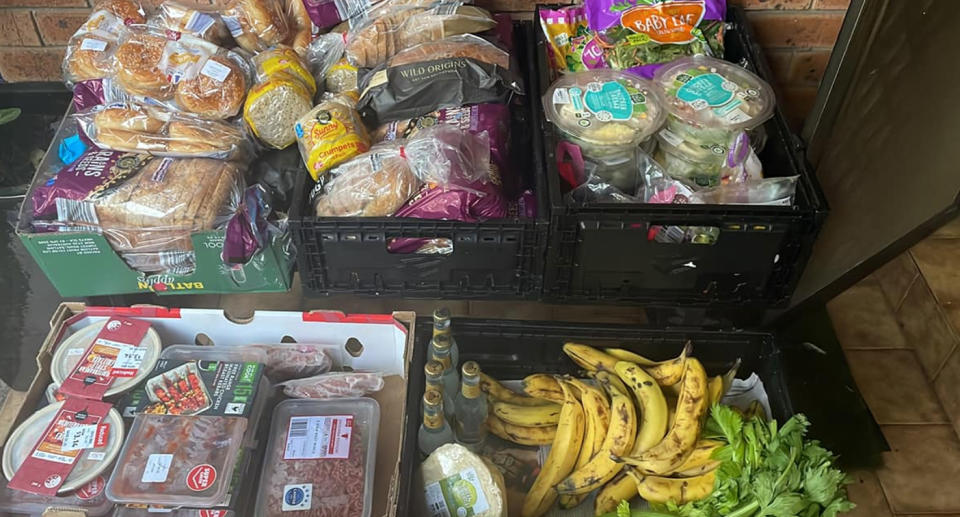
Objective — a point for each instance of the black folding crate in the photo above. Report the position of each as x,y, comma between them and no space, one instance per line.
511,350
494,259
602,253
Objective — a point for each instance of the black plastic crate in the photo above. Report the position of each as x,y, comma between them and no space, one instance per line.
494,259
511,350
601,253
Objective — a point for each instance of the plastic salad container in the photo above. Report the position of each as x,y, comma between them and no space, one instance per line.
89,499
605,112
89,465
711,104
69,352
320,459
177,460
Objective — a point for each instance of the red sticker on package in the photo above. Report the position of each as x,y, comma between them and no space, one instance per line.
91,489
201,477
319,437
74,428
213,513
114,353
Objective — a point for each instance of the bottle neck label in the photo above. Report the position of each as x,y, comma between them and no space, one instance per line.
432,419
470,390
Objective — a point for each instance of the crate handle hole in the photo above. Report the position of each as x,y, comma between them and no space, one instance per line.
287,339
434,247
353,347
202,339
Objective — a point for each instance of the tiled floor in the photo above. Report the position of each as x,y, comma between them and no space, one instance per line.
921,473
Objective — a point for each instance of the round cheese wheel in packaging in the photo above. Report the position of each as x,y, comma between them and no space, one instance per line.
462,482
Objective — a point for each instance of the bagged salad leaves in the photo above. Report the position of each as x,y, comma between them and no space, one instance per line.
570,44
640,35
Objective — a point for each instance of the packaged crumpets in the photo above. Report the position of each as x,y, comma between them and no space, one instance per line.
330,134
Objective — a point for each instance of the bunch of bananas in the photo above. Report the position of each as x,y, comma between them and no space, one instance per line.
634,430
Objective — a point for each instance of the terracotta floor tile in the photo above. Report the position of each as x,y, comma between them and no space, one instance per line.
862,318
895,277
921,472
947,387
937,261
925,328
866,492
895,387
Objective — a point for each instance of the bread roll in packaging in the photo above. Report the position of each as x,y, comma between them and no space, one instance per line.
90,51
330,68
380,38
187,19
449,73
329,134
379,182
256,25
128,11
135,127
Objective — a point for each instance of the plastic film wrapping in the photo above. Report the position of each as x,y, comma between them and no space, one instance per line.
186,19
329,134
334,385
273,107
256,25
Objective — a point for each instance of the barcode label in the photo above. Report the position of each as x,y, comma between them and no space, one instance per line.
444,500
234,25
76,211
561,96
319,437
435,502
199,22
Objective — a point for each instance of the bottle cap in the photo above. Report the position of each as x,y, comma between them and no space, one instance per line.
471,369
433,368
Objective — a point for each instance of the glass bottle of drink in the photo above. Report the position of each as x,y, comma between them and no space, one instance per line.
433,371
434,431
471,408
441,327
440,351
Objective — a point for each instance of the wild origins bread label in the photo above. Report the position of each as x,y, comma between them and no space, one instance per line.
460,495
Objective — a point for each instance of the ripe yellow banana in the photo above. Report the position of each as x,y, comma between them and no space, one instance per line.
527,416
730,376
533,436
597,411
653,406
562,457
670,372
670,453
626,355
715,389
543,386
657,489
622,487
498,391
620,437
590,358
699,461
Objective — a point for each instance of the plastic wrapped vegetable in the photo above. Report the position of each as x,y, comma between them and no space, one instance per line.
334,385
639,36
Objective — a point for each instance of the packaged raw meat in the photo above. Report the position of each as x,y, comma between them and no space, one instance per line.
177,460
77,438
334,385
320,459
71,350
285,361
126,511
89,499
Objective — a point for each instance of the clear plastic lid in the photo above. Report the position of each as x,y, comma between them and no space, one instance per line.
177,460
69,352
126,511
91,462
230,354
605,107
89,498
711,93
320,459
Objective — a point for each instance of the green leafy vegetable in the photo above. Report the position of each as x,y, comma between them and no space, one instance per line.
767,471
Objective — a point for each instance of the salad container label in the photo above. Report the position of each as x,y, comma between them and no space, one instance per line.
319,437
458,495
52,458
112,354
214,388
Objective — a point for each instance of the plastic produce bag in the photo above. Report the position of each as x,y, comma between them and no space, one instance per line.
256,25
640,36
474,71
570,44
381,37
330,134
181,17
334,385
767,191
150,129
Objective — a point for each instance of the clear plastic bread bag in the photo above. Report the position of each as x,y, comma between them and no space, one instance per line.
135,127
373,184
283,59
330,134
129,12
273,107
89,55
256,25
378,39
187,19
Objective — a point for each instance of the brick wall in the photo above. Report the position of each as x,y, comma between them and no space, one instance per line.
796,34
